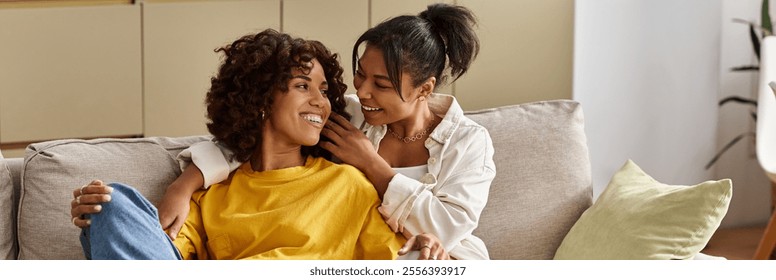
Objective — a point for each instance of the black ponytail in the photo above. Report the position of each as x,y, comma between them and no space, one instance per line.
425,45
454,25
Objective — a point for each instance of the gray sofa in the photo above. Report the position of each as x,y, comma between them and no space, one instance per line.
542,185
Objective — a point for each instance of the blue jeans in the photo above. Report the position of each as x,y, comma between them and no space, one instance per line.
127,228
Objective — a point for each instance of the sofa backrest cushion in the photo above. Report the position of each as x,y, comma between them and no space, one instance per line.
543,181
52,170
7,211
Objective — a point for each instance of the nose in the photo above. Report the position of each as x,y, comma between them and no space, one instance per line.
363,91
319,100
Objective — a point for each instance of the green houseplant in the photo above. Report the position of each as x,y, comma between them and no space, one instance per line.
765,28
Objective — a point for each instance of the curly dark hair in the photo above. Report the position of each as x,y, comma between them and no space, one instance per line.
253,67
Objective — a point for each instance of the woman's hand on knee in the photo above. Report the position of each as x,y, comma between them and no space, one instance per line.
429,245
87,200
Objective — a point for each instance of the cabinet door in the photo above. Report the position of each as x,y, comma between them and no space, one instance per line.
336,23
178,42
70,72
526,55
382,10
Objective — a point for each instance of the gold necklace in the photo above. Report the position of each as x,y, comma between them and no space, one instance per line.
415,137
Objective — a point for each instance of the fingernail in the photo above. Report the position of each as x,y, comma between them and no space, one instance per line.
110,189
88,222
106,197
98,207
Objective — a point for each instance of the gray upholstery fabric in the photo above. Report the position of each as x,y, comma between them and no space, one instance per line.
7,213
543,181
52,170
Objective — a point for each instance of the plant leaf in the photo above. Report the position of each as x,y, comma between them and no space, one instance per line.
765,20
745,68
755,41
727,147
738,99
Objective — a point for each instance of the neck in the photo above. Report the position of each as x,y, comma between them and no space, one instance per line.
415,124
272,156
273,161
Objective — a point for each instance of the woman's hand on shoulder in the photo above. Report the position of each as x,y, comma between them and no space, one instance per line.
351,146
87,200
429,245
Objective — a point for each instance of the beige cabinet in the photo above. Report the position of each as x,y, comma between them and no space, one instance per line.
526,55
178,43
336,23
70,72
144,69
385,9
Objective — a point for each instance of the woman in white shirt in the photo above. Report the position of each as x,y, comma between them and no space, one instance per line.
431,166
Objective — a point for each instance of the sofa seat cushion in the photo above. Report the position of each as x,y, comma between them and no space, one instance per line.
637,217
52,170
543,180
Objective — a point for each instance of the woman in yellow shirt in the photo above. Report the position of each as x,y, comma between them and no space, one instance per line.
268,103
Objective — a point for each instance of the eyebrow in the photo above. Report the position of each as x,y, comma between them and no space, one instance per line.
382,77
302,77
306,78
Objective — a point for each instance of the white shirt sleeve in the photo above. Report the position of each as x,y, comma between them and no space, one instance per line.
211,159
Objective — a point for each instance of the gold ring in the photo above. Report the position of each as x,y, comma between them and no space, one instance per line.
433,258
425,246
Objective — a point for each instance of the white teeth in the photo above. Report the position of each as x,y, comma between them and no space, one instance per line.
370,108
313,118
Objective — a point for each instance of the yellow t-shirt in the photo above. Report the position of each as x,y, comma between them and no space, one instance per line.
320,210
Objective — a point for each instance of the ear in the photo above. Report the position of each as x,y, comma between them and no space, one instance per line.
428,86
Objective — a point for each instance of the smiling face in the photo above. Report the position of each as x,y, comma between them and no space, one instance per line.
298,115
380,101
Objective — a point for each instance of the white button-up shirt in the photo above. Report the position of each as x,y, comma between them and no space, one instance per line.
447,201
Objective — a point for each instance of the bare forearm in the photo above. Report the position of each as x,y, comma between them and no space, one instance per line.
188,182
379,173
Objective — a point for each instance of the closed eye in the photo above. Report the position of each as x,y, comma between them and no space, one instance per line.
382,86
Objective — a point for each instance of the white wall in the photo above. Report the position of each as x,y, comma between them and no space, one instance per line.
647,75
750,204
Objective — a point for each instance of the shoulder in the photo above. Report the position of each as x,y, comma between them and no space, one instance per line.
337,168
472,144
345,174
345,171
472,135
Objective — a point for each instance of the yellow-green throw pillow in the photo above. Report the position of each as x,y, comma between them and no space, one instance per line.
639,218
